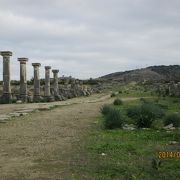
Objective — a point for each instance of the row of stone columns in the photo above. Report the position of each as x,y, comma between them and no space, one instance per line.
6,97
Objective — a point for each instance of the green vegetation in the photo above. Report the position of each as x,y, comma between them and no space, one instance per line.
172,118
113,119
145,114
113,95
118,102
116,153
123,154
105,109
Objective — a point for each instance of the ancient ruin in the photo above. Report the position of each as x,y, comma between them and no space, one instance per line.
23,79
47,90
67,88
37,96
6,97
56,84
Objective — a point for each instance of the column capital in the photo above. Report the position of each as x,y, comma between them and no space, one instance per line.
55,70
47,67
23,60
5,53
36,64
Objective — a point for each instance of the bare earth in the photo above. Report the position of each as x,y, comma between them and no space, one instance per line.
40,145
37,146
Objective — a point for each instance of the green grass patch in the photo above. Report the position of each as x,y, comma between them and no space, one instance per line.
122,154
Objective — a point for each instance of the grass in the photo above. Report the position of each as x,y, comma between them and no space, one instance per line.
122,154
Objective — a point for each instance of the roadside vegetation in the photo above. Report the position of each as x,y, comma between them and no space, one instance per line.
131,140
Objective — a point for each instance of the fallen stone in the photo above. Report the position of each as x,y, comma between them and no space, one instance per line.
173,142
44,108
4,117
15,114
129,127
25,111
169,127
146,128
19,102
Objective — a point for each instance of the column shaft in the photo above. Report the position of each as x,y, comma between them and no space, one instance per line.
23,79
6,77
47,81
56,82
36,82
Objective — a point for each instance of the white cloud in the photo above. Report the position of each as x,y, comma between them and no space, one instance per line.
89,38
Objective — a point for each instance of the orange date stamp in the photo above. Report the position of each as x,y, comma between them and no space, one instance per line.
168,154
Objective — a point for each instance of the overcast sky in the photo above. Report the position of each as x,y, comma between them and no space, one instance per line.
90,38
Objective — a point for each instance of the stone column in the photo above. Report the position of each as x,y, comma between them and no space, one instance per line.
47,82
6,97
56,83
23,79
37,96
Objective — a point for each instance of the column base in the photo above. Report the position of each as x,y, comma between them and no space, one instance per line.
49,99
37,99
6,98
24,98
59,98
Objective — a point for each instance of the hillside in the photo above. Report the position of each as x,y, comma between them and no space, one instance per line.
152,73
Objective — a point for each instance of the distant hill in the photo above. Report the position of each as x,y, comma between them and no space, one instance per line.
152,73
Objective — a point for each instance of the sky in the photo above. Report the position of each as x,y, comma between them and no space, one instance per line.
90,38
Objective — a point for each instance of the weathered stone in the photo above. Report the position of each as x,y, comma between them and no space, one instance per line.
47,90
14,114
129,127
37,96
56,84
19,102
169,127
4,117
23,79
6,97
173,142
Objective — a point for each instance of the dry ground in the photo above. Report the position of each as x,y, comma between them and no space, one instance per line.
40,145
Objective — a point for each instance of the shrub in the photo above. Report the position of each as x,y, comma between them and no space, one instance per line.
118,102
113,95
113,119
120,92
105,109
145,114
143,100
133,112
173,118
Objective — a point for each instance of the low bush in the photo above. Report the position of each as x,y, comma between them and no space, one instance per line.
118,102
173,118
120,92
105,109
145,114
132,112
113,95
113,119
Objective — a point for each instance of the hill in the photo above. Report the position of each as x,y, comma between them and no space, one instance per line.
152,73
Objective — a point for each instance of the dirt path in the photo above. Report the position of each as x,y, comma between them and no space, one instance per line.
37,146
40,145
